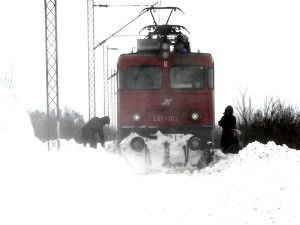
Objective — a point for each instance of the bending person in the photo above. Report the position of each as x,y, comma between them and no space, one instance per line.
93,128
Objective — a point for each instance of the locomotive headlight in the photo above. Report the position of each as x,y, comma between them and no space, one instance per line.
165,46
136,117
195,116
165,55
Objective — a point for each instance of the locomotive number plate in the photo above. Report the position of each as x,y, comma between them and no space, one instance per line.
165,119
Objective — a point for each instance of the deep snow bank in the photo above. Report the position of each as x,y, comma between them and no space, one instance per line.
57,187
79,185
15,126
256,156
261,184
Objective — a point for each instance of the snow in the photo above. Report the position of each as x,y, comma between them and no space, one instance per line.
77,185
156,147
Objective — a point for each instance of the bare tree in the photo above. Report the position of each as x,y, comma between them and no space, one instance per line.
275,121
7,80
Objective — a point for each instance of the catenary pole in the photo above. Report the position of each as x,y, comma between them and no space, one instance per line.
91,59
53,112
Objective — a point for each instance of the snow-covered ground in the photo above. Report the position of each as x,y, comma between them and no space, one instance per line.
79,185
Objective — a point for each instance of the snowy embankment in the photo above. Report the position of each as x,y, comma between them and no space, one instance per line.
79,185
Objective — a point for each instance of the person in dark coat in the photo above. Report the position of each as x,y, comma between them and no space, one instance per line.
93,128
228,123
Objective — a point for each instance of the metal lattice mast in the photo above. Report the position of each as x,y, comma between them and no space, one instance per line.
111,96
91,59
52,74
114,97
105,81
107,84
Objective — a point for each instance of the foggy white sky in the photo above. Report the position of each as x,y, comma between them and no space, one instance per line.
255,45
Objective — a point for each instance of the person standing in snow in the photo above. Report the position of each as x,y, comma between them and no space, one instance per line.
230,136
93,128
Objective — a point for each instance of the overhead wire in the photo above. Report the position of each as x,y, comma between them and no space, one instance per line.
106,5
140,14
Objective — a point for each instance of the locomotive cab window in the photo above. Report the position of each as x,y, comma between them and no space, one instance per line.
210,78
187,77
144,77
120,79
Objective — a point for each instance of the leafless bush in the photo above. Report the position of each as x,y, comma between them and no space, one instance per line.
71,123
7,80
275,121
110,133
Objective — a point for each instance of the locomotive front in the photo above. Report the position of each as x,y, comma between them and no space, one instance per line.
165,87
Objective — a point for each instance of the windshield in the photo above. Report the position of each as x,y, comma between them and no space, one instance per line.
144,77
187,77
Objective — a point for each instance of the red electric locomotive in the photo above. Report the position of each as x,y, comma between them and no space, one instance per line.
166,87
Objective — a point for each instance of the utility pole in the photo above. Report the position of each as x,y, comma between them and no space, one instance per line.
105,83
91,59
52,73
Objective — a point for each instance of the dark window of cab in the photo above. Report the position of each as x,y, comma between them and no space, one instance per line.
144,77
186,77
